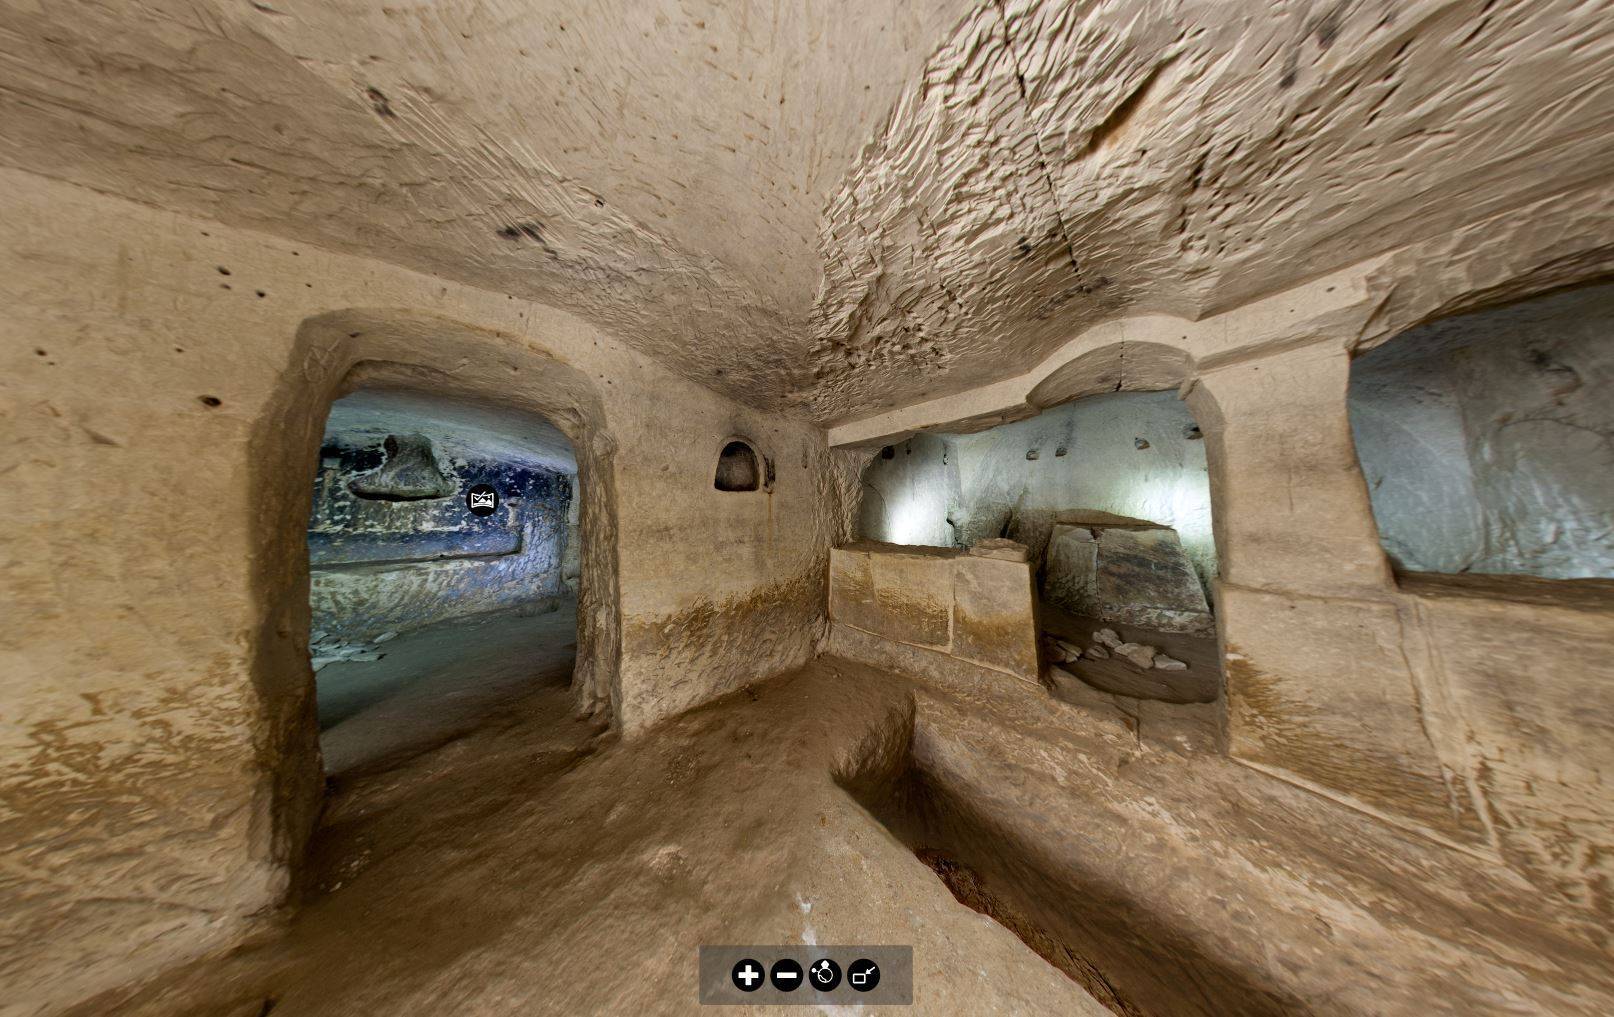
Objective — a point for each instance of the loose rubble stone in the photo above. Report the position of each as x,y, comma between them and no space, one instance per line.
1136,653
1165,663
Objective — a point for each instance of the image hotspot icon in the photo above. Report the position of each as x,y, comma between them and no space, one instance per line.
482,500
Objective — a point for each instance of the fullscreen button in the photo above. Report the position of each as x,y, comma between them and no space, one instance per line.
863,975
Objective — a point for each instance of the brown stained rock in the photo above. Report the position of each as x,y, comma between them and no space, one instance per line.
1532,663
1124,679
914,594
1000,548
1058,116
1144,578
1096,652
976,608
1371,744
967,886
851,588
994,615
686,592
1070,570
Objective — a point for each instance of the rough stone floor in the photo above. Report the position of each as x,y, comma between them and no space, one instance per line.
438,683
539,866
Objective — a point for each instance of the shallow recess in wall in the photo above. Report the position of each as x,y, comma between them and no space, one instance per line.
1487,439
739,467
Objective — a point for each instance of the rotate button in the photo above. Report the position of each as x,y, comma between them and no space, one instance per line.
824,974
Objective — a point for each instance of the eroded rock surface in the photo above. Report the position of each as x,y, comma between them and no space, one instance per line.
889,202
665,227
1056,164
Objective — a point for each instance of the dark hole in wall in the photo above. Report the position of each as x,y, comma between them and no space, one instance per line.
737,468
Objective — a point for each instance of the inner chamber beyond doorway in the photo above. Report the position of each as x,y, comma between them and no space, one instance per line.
444,553
1110,495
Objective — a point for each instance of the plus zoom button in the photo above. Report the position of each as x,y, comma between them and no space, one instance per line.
748,975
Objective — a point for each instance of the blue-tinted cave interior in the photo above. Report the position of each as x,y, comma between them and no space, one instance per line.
1487,439
443,546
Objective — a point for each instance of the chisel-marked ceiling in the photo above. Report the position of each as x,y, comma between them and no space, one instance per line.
826,208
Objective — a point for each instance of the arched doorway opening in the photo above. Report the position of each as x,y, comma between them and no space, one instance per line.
451,363
444,563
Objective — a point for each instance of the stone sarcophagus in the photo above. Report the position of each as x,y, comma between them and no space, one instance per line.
1128,572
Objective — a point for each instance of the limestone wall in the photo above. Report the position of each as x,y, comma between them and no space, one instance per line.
1469,711
1134,454
913,496
906,607
165,382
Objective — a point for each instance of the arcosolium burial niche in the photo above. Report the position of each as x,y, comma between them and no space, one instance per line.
1487,439
1111,496
397,546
